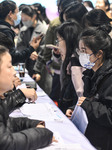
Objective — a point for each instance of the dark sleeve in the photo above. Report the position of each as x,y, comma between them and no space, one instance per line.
14,99
99,109
45,54
39,65
49,39
87,75
21,56
18,124
72,107
75,61
29,139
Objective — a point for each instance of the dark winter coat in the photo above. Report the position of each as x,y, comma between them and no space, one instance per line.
20,133
17,56
98,105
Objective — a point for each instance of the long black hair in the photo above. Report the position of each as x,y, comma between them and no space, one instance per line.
69,32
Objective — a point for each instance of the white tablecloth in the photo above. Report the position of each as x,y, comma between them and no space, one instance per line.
56,121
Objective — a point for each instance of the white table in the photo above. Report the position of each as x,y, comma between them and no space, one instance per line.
60,123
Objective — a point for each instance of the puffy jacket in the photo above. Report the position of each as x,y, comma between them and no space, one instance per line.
20,133
14,99
98,106
16,55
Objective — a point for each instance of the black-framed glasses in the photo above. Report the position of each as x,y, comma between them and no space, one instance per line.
57,41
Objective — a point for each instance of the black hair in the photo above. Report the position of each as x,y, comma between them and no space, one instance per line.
69,32
42,15
5,7
64,4
97,39
75,11
95,18
28,10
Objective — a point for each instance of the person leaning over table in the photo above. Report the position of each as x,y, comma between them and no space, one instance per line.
95,54
93,18
17,133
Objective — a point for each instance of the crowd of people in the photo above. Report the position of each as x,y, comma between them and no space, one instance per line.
69,57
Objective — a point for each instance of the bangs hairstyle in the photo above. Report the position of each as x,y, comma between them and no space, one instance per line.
5,7
97,39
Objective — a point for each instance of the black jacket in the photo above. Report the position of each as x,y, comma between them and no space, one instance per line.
68,96
20,133
17,56
98,106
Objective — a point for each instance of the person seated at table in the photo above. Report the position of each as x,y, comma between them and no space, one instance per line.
18,98
95,54
17,133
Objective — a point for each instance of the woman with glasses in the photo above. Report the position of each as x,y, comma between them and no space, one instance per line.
71,71
95,54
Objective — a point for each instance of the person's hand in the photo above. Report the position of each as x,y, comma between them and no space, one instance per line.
37,77
69,113
56,51
41,124
34,55
35,42
17,81
29,93
81,100
54,140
